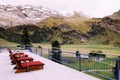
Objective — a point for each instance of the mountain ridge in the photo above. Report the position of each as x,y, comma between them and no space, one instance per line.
28,14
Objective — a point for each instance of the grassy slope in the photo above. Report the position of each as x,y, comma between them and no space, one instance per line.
6,43
110,37
66,25
76,24
82,27
50,22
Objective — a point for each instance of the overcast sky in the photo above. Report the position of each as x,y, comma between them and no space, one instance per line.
93,8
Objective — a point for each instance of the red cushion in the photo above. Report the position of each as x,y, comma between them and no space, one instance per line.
25,55
34,63
24,58
20,55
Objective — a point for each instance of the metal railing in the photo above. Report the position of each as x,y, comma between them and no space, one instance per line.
99,67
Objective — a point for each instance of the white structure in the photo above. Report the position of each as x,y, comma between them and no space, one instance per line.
51,71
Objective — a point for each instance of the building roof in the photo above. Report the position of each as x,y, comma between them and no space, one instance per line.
51,71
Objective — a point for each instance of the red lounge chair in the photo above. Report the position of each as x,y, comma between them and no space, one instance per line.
17,55
24,59
29,66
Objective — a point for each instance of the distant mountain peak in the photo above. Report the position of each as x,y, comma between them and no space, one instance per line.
116,15
77,16
80,14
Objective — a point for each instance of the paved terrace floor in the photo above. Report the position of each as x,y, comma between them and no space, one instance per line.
51,71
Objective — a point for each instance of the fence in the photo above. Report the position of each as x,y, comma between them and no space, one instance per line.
101,67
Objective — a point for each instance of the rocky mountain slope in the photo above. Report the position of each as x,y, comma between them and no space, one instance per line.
28,14
116,15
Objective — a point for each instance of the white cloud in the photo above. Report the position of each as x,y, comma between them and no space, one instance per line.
95,8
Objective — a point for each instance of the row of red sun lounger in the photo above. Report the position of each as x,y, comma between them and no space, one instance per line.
24,63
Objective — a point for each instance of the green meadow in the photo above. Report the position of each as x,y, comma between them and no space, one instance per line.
85,49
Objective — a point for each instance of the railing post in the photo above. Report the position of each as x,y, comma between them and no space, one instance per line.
78,55
79,62
41,51
36,50
48,53
118,68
